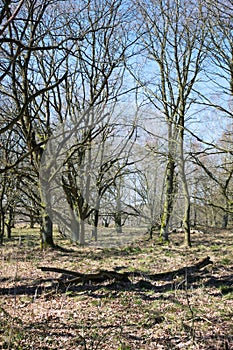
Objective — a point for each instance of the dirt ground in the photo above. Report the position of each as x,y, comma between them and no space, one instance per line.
189,311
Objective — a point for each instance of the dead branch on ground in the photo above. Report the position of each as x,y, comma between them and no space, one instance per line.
105,275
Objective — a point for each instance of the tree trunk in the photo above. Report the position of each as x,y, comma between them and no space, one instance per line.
75,228
186,222
169,198
32,221
82,233
118,214
9,230
10,222
105,222
2,225
46,232
96,218
225,220
46,222
96,221
118,222
186,217
195,217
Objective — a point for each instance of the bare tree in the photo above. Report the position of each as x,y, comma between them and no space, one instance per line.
215,152
85,104
31,36
173,40
10,148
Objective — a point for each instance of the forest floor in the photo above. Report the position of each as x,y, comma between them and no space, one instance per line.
185,312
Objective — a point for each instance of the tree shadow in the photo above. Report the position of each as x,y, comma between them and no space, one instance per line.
31,288
224,282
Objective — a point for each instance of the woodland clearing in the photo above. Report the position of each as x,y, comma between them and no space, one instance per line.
185,311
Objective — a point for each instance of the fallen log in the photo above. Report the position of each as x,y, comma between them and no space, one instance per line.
105,275
187,270
97,277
